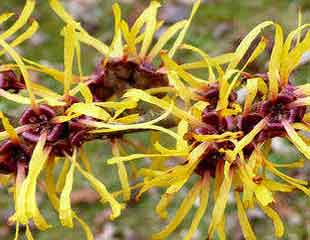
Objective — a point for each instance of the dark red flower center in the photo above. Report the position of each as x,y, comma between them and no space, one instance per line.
279,109
215,124
12,153
9,81
121,74
210,94
274,112
210,159
41,120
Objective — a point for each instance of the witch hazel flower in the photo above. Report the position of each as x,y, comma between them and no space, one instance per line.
9,81
228,142
129,60
221,143
54,126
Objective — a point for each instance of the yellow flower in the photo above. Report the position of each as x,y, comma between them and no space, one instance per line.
221,141
40,141
229,142
211,156
128,61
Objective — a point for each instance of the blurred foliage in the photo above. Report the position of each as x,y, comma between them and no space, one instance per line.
217,28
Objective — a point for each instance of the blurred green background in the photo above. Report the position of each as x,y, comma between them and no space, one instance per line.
217,28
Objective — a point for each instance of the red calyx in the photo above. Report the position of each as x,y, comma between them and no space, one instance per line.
9,81
12,153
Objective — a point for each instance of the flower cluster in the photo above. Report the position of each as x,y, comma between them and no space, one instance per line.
222,136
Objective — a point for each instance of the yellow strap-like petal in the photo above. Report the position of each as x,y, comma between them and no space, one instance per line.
288,42
225,87
163,204
85,160
56,74
86,228
174,176
116,47
184,208
136,28
9,128
102,191
82,35
24,36
293,59
65,211
219,60
21,21
149,28
117,41
277,222
127,104
220,204
28,233
63,14
207,59
257,51
78,56
22,68
114,160
246,43
86,93
89,109
248,138
297,164
167,197
116,128
93,42
62,176
183,127
221,230
26,205
296,139
295,182
36,165
299,24
16,231
218,137
69,46
142,95
132,118
15,97
51,192
47,95
203,204
180,87
146,125
181,35
277,187
50,185
122,172
263,195
5,16
275,63
164,38
243,219
251,94
196,153
189,78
